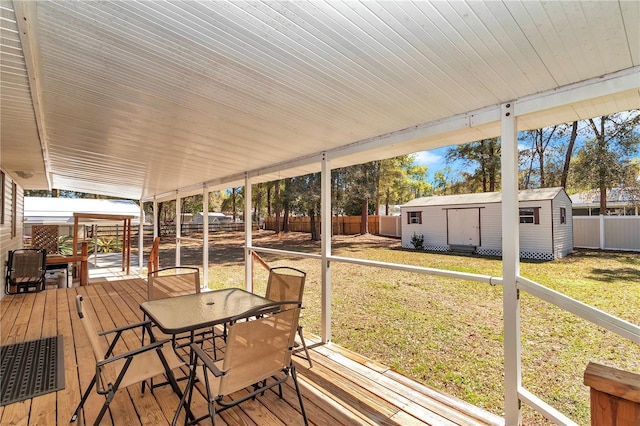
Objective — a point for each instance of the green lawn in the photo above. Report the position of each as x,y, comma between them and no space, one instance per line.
447,333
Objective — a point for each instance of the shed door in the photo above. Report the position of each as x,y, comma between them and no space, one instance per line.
463,227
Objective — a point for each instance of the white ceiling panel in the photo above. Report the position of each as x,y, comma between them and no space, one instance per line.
139,99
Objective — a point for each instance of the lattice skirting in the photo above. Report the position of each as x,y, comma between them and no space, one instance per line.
488,252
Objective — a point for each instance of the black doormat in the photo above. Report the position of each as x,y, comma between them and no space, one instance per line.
32,368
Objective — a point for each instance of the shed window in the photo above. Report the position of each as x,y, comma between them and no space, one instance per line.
530,215
563,215
414,218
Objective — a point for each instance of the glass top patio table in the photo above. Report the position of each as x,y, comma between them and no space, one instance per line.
179,314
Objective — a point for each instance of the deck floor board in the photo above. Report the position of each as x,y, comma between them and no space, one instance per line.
342,388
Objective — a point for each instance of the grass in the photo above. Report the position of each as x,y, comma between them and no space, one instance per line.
447,333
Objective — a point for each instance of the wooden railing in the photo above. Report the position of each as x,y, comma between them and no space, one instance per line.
255,257
615,396
153,264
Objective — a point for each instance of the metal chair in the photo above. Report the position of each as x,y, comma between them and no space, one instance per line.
116,371
257,357
286,283
26,269
170,282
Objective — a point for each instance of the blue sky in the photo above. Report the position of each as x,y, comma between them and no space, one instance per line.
434,160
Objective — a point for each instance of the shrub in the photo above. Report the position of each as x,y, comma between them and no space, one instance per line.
418,241
107,245
65,245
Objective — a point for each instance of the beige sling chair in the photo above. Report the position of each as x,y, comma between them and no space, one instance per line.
286,283
117,371
174,281
257,357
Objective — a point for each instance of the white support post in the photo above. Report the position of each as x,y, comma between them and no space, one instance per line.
510,264
156,225
205,237
178,231
141,236
325,235
248,240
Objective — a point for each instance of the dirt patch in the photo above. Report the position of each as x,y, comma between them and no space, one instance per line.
228,247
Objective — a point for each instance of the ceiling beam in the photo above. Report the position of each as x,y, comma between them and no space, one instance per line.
25,20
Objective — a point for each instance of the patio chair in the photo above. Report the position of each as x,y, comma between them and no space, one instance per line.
257,357
286,283
170,282
26,269
114,372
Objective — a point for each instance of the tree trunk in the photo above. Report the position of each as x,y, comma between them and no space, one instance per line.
158,220
314,228
602,175
277,202
540,148
567,157
364,218
386,205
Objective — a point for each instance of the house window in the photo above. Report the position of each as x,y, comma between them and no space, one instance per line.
563,215
530,215
414,218
14,210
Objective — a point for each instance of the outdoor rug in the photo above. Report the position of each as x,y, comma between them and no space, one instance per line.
30,369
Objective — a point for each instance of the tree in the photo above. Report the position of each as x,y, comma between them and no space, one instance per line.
540,140
607,159
360,189
569,154
485,156
234,201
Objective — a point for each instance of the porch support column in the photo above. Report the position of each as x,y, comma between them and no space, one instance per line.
178,229
141,235
510,264
205,237
156,219
248,240
325,235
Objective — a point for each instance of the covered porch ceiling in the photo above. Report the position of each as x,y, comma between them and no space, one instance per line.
147,99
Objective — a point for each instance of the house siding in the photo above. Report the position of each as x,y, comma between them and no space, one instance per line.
562,232
7,242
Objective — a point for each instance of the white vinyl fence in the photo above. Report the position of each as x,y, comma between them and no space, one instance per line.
607,232
595,232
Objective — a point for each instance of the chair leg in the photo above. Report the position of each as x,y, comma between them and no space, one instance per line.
104,408
304,346
294,376
74,417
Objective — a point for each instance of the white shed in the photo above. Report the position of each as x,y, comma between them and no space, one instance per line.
472,222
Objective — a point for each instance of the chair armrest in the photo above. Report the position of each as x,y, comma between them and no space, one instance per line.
133,352
206,359
125,327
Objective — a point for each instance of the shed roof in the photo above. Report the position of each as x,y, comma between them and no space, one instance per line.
61,210
484,198
154,99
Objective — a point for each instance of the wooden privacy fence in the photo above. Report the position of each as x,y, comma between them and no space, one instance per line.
341,225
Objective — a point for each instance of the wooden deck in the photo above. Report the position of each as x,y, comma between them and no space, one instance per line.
342,388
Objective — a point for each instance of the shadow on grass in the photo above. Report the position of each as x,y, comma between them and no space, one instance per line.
615,274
